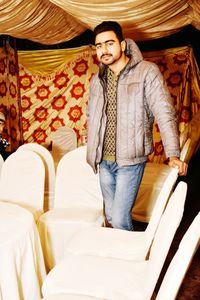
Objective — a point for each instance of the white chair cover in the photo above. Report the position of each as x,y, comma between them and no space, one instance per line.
22,181
22,268
121,243
113,278
180,263
50,176
78,204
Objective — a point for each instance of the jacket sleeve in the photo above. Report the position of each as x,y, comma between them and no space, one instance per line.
161,105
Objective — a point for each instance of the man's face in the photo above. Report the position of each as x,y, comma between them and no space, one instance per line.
108,48
2,125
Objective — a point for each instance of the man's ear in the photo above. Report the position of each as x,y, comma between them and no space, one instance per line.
123,45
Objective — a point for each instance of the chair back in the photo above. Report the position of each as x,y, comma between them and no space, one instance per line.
161,202
186,151
76,183
22,181
180,263
64,139
50,176
183,137
165,233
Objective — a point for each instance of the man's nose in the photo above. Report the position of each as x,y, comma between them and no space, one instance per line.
104,48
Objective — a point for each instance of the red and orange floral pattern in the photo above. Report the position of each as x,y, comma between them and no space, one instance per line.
9,103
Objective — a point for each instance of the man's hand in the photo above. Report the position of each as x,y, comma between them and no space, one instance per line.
175,162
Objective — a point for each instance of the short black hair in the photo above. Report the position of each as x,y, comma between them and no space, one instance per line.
109,26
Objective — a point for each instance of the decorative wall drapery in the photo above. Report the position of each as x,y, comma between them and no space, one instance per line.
55,21
54,89
9,95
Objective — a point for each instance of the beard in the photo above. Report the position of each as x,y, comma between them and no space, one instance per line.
109,59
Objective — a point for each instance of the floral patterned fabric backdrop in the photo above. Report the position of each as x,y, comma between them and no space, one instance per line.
54,87
9,95
56,96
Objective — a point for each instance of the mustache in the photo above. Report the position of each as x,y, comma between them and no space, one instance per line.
103,55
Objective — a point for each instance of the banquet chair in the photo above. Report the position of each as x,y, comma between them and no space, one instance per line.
113,278
64,139
180,263
78,204
22,181
151,184
50,176
120,243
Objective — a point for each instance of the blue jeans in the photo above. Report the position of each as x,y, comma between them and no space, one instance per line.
119,186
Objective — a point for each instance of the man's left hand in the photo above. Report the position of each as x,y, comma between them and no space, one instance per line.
182,166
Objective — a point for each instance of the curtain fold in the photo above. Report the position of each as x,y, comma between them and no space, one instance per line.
55,21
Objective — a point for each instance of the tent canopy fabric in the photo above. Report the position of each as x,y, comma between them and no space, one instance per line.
54,21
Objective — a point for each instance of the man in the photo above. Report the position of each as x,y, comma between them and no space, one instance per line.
3,142
125,96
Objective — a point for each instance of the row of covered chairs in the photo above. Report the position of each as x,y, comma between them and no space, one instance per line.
28,177
105,266
86,276
69,199
76,190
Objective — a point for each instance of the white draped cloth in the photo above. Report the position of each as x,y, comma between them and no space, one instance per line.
22,269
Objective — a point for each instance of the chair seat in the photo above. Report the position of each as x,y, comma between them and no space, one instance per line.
110,243
107,278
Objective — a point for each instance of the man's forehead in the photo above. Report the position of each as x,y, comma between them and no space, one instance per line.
105,36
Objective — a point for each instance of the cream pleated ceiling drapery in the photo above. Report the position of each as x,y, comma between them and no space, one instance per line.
55,21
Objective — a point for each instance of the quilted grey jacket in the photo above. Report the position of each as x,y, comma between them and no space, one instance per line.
141,96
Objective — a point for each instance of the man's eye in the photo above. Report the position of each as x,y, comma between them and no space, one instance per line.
98,46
